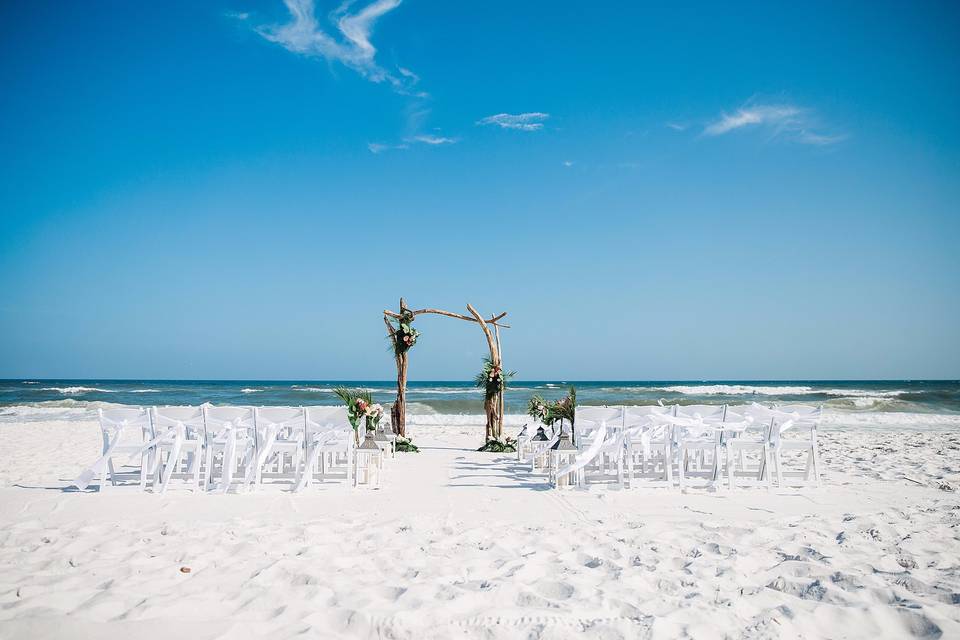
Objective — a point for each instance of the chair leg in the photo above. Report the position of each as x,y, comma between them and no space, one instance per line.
196,472
778,464
681,466
715,473
113,473
209,474
816,463
763,473
630,467
144,463
297,460
168,470
668,463
731,472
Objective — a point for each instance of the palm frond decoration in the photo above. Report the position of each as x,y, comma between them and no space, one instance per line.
492,378
360,405
508,445
553,412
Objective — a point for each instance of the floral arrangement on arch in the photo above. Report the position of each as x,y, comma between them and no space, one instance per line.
404,335
492,378
360,405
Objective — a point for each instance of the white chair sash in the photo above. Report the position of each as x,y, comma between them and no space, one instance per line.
229,431
97,468
597,445
269,434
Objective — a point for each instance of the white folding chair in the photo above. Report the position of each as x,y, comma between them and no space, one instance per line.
649,439
746,430
607,456
794,428
697,429
280,436
329,445
231,435
181,435
127,433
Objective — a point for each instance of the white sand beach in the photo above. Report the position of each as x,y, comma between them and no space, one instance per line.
459,544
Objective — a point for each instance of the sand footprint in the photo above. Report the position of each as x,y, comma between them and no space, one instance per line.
554,590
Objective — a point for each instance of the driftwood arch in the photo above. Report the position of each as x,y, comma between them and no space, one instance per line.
493,406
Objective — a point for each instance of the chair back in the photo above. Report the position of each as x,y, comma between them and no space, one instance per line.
743,422
706,412
219,420
638,419
332,421
289,422
710,414
125,425
191,419
795,416
640,414
588,419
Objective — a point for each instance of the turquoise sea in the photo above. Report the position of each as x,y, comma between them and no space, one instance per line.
444,397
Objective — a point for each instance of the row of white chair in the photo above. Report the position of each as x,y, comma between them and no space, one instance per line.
222,447
653,442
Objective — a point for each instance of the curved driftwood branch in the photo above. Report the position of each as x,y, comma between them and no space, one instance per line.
450,314
494,352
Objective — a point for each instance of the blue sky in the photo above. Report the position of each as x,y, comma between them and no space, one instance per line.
237,189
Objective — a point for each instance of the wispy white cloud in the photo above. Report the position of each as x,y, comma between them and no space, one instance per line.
431,139
568,163
351,47
773,115
380,147
677,126
819,139
422,138
237,15
522,121
785,121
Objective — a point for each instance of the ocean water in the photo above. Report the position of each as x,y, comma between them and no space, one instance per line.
921,403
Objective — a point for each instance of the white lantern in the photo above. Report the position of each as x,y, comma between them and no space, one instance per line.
369,464
538,449
562,455
384,441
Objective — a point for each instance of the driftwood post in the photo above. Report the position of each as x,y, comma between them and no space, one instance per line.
398,412
493,407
